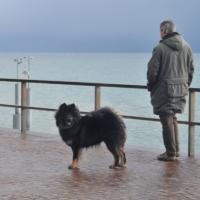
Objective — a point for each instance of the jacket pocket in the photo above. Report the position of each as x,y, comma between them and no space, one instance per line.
177,88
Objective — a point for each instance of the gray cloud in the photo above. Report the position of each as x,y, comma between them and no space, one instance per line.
92,25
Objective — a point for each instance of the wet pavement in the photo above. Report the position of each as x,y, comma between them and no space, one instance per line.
35,167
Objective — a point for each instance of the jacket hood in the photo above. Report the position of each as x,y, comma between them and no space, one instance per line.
174,41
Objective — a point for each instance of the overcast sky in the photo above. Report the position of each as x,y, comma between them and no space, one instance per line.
93,25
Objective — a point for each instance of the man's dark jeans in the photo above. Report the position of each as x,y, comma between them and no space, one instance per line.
170,134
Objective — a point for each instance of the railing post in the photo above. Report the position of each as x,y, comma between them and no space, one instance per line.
191,128
23,110
97,97
28,112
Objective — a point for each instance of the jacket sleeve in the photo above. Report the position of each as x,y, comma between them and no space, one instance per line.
190,67
153,68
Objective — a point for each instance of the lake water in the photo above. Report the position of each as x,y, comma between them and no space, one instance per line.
108,68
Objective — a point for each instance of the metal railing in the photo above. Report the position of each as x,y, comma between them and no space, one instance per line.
97,99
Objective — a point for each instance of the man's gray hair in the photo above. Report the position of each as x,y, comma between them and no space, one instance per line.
168,26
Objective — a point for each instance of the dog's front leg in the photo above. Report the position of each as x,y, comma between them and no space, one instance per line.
76,153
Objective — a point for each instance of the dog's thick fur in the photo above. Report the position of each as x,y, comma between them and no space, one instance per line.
103,125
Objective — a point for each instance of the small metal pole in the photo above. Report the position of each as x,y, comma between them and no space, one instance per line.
97,97
16,116
191,128
23,110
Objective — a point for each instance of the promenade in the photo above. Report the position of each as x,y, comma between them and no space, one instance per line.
34,167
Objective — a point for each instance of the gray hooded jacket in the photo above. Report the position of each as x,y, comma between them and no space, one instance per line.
170,72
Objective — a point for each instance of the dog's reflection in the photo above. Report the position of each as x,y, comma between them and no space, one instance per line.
113,177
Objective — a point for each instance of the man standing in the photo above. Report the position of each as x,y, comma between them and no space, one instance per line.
170,72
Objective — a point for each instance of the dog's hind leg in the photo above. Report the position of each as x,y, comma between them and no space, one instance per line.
122,157
116,160
116,154
76,155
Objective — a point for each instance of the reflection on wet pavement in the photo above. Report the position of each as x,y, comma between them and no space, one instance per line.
34,167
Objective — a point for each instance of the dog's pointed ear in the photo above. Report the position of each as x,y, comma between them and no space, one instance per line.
73,106
63,106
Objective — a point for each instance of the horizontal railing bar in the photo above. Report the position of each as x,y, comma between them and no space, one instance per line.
194,89
83,83
124,116
75,83
158,120
27,107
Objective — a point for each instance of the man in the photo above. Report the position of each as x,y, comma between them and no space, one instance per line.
170,72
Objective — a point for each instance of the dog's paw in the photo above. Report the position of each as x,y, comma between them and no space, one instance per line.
72,167
122,166
113,166
117,167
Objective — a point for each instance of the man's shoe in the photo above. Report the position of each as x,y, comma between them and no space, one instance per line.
165,157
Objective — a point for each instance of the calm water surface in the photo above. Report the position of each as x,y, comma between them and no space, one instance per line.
108,68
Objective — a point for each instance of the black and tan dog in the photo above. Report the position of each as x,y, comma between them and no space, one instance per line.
103,125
